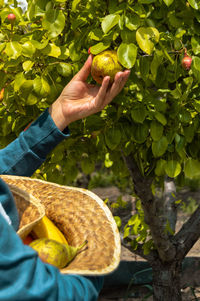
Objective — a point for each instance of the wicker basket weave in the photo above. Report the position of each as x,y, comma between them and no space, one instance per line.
79,214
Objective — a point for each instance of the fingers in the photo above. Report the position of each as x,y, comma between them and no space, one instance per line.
118,84
100,98
105,95
83,74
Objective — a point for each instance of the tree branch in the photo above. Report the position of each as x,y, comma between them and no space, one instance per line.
153,210
188,234
142,185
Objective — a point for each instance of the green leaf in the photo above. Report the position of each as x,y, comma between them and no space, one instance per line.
140,132
118,221
108,162
36,8
13,49
195,4
74,51
144,67
159,147
52,50
31,100
109,22
113,137
87,165
196,67
2,46
147,1
96,34
75,4
146,38
160,167
192,168
41,86
139,114
27,65
172,168
64,69
180,142
136,225
127,36
26,88
94,122
180,32
19,80
101,46
156,130
126,232
168,2
77,23
185,116
195,42
196,105
127,54
189,132
156,62
6,125
147,246
161,118
39,45
28,49
132,22
54,22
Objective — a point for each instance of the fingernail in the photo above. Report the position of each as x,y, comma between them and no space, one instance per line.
128,71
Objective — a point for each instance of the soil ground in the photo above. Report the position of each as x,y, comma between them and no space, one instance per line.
190,280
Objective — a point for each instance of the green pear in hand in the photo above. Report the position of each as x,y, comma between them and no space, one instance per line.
105,64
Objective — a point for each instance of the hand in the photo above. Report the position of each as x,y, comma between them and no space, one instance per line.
80,99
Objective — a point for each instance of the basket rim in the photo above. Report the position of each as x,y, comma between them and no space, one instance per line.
116,236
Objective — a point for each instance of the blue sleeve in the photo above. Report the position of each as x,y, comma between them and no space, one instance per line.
26,153
23,276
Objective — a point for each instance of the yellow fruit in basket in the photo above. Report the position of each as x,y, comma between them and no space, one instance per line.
46,229
55,253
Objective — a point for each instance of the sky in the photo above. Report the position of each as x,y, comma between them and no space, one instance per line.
22,3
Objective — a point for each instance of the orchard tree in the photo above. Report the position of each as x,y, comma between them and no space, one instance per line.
150,132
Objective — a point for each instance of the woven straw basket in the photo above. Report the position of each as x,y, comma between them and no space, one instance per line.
78,213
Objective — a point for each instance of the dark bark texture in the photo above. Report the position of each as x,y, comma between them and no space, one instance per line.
166,281
170,248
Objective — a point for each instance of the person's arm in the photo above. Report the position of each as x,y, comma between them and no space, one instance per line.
26,153
23,276
77,100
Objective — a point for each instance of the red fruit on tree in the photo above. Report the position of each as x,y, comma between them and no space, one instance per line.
89,51
186,62
11,18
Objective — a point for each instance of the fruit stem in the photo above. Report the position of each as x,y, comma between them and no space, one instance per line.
81,246
185,52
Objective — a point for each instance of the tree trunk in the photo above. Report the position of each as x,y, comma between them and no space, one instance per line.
166,281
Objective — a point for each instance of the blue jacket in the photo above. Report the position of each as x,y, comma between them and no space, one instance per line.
23,276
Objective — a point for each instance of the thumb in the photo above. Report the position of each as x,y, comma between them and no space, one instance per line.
83,74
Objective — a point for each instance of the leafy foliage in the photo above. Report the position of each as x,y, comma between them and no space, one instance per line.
155,119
